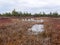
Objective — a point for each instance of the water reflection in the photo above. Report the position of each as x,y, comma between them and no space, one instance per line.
37,28
32,19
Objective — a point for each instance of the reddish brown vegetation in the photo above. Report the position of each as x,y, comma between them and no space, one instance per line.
17,32
5,20
55,38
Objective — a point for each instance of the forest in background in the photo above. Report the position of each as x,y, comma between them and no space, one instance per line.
20,14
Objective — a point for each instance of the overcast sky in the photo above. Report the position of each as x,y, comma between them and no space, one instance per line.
33,6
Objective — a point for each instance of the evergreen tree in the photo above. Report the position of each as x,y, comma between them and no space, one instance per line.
15,13
55,14
6,14
44,14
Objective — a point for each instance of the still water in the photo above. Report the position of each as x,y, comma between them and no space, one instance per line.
33,20
37,28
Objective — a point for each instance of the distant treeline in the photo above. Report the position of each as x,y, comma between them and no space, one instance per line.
19,14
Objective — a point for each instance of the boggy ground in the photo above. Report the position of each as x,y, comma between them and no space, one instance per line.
14,31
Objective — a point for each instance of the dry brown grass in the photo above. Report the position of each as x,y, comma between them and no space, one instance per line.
15,32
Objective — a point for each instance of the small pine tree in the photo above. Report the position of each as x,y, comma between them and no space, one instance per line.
15,13
44,14
55,14
6,14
